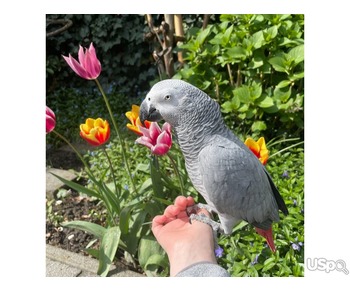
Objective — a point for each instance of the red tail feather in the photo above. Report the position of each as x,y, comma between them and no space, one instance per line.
268,236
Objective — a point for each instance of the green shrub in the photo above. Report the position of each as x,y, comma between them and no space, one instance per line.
253,65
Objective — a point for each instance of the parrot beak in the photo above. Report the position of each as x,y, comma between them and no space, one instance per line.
149,113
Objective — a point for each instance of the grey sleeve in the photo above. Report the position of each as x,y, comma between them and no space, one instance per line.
203,269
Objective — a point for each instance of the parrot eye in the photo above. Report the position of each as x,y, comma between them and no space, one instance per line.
167,97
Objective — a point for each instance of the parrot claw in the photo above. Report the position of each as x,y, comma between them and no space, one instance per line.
194,209
205,219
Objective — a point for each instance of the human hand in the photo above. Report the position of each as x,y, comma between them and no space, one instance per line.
185,243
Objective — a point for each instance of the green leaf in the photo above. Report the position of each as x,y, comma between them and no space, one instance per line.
242,93
278,63
226,36
92,228
273,30
108,248
158,260
266,102
283,83
257,60
258,126
151,253
282,94
268,264
203,35
124,218
231,105
239,226
255,91
235,54
296,76
258,39
78,187
297,54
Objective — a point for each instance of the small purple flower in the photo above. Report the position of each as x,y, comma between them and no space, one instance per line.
295,203
219,252
297,245
255,260
285,174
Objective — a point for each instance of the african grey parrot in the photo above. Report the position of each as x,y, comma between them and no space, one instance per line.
233,182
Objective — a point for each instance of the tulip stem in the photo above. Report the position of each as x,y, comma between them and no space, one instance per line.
111,167
177,173
118,134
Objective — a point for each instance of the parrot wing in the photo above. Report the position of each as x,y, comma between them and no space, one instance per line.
237,184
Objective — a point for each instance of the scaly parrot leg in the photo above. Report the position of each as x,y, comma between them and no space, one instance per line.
192,210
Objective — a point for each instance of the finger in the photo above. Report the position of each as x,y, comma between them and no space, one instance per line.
190,201
181,202
157,223
171,211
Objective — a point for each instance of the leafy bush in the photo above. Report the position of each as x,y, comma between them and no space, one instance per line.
253,65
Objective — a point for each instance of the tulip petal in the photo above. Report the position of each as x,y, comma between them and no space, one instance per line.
50,124
76,67
154,131
253,146
50,120
145,132
92,66
160,149
135,129
144,141
166,127
164,138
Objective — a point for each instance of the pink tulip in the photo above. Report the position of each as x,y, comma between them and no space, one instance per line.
50,120
88,67
157,139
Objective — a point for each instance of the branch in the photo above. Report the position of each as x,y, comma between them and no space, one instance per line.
206,20
67,23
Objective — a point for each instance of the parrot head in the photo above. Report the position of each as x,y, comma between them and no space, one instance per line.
166,100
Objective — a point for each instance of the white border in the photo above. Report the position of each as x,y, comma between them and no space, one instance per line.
23,144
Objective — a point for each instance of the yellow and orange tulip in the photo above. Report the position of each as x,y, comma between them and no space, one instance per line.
95,131
258,148
135,122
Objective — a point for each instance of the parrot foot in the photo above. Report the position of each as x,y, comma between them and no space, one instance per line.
192,213
205,219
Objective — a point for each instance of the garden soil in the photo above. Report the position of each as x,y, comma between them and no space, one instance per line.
71,207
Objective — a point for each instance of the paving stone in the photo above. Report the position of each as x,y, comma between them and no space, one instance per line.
58,269
63,263
53,184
